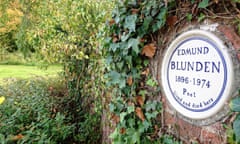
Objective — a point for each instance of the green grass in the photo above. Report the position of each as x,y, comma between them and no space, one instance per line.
22,71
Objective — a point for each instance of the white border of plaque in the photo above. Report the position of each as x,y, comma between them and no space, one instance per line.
197,74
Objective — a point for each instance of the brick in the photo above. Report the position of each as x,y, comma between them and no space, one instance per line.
181,129
232,36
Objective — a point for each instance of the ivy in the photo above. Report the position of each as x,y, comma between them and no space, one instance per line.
235,106
128,74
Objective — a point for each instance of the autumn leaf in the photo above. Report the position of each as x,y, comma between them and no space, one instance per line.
140,100
115,39
149,50
115,118
122,131
145,72
17,137
171,20
129,81
142,40
139,113
111,22
134,11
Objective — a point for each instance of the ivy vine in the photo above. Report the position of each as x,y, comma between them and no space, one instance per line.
129,49
130,45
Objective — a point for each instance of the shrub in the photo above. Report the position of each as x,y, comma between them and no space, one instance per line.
28,114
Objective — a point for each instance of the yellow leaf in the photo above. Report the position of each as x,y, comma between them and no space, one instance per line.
2,99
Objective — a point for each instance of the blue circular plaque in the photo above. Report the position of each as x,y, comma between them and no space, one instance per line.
197,74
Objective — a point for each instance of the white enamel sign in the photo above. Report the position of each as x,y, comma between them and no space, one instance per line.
197,74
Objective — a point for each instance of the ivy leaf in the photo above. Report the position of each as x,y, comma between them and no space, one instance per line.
151,115
122,116
111,107
151,105
236,128
203,4
130,22
114,134
147,22
116,78
134,44
130,109
149,50
151,82
136,137
161,20
235,104
114,46
125,36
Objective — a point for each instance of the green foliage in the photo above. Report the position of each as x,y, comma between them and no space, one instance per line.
27,114
133,111
235,106
203,4
236,128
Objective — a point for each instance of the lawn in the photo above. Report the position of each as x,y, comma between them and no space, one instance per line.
22,71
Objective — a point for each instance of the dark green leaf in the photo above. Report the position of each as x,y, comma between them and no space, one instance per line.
111,107
125,36
114,46
130,109
189,17
147,22
235,104
236,128
203,4
130,23
161,20
134,44
201,17
117,78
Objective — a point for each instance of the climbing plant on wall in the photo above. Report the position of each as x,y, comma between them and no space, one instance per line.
130,46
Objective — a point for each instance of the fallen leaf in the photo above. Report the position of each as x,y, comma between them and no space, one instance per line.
142,40
171,20
17,137
145,72
134,11
122,131
115,118
111,22
129,81
115,39
140,100
149,50
139,113
130,103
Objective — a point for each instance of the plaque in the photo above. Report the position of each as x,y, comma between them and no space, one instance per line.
197,74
